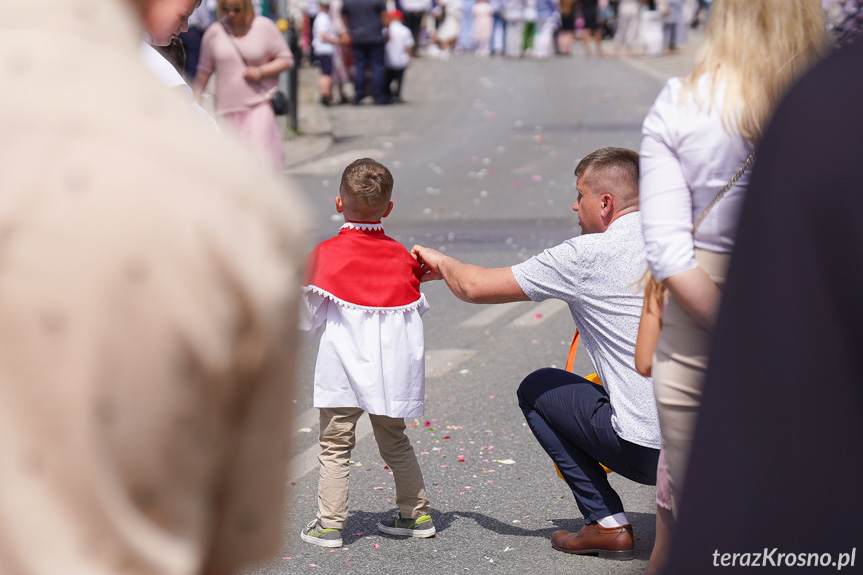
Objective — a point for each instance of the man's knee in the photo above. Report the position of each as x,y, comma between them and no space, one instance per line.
533,385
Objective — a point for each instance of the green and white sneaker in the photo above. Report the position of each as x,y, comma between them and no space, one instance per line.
422,526
317,535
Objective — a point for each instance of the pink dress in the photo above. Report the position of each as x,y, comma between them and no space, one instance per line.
483,21
243,107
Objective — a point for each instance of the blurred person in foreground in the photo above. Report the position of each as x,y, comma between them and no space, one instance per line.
148,309
697,145
775,462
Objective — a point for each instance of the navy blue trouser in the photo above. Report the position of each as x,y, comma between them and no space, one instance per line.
192,46
571,419
373,54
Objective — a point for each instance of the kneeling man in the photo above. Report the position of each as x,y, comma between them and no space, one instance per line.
579,423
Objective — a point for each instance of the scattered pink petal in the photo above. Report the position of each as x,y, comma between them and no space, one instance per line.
288,558
358,534
377,546
537,315
312,565
535,341
491,397
427,423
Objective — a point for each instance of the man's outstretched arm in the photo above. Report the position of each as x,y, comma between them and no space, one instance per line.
474,284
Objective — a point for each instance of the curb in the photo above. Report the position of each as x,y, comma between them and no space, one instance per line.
315,134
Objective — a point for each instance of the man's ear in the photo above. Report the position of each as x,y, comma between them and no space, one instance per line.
607,204
340,207
389,209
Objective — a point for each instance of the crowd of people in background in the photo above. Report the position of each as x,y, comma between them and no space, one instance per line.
372,56
537,28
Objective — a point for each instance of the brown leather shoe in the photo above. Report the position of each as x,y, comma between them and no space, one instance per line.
608,542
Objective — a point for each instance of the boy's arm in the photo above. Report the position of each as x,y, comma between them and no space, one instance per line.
470,283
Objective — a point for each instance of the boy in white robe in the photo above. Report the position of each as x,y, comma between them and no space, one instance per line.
363,288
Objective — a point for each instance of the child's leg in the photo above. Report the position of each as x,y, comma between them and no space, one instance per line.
399,76
337,439
396,450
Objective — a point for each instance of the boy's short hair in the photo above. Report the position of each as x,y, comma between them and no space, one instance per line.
366,184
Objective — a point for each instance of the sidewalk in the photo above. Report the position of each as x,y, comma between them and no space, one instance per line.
315,135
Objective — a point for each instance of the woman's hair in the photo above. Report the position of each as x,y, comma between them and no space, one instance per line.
653,288
248,11
758,48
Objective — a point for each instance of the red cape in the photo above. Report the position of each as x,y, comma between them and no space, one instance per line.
365,267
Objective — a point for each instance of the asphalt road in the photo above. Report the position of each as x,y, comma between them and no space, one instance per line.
482,153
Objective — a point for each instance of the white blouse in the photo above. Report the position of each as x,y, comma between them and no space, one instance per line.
687,157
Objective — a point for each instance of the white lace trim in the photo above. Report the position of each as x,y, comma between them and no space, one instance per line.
362,226
421,302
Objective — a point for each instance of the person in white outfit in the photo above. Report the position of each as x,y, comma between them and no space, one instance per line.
513,15
697,143
626,35
397,56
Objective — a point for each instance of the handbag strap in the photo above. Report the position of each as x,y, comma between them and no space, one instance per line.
721,193
234,44
237,48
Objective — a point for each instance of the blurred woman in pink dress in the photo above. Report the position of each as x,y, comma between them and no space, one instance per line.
483,23
247,53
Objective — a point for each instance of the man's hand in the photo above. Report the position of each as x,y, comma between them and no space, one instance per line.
430,260
470,283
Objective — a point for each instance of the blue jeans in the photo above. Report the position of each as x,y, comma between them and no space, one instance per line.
364,55
571,419
498,31
192,46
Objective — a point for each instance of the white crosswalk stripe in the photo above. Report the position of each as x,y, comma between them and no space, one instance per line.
492,313
443,361
540,313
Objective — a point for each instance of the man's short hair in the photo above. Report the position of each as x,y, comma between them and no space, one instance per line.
366,184
613,171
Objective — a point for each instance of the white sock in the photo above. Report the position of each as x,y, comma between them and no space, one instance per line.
616,520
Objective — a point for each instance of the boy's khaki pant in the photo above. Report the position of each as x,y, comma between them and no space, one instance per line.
337,439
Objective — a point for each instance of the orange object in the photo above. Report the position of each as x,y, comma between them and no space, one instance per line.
593,377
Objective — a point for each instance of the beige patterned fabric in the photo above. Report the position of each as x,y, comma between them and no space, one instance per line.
149,281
